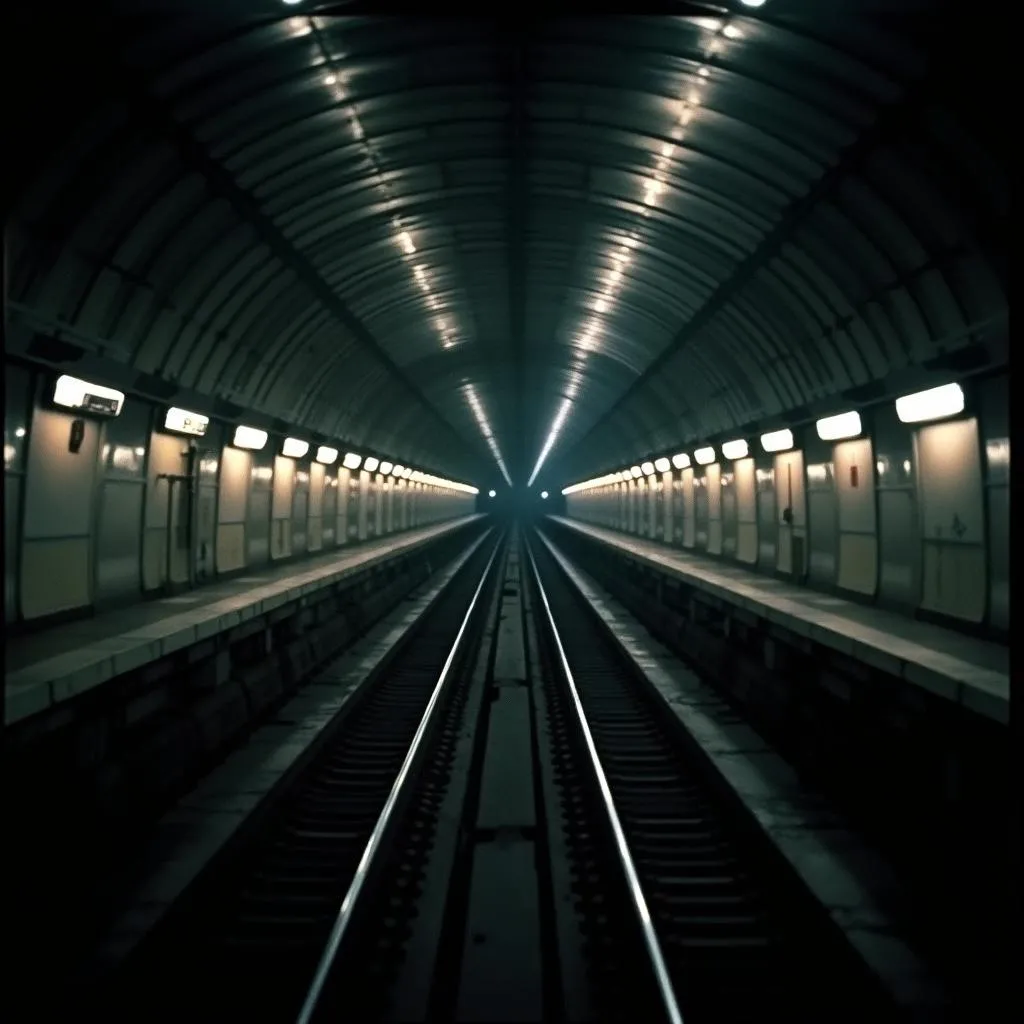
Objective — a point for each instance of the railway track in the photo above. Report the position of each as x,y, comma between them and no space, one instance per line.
506,826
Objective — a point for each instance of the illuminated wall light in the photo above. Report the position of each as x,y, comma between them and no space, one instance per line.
681,460
544,495
327,455
249,437
732,32
406,473
398,470
352,461
386,468
738,449
704,456
647,468
184,422
636,471
294,448
491,493
933,404
752,3
73,393
371,463
777,440
836,428
662,465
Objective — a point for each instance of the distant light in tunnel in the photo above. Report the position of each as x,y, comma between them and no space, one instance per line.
704,456
556,429
491,493
839,427
294,448
250,437
777,440
371,463
647,468
327,455
485,428
544,495
752,3
738,449
291,3
352,461
601,305
933,404
636,471
406,242
330,79
681,460
662,464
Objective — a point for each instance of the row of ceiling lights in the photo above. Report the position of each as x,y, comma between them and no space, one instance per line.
621,255
83,395
443,323
921,407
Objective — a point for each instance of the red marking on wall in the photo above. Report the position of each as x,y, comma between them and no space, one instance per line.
853,476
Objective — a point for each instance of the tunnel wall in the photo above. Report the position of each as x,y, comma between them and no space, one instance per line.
98,527
913,517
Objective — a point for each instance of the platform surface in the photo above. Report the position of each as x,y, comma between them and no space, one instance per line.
971,672
53,665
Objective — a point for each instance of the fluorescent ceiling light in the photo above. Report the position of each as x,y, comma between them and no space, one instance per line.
681,460
704,456
73,393
294,447
836,428
371,463
735,449
327,455
662,465
647,468
184,422
777,440
933,404
352,461
250,437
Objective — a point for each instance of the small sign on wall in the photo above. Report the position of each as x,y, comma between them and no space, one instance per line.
854,476
77,436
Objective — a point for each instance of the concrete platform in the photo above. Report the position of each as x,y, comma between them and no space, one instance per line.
838,868
961,669
46,668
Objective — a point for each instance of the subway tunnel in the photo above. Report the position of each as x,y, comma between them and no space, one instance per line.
708,300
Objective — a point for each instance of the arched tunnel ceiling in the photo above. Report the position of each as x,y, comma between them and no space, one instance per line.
648,230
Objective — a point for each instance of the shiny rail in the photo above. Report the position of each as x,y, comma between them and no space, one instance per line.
373,845
636,893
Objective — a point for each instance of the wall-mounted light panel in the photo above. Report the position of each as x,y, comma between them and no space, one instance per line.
181,421
737,449
839,427
294,448
398,470
662,465
352,461
249,437
777,440
681,461
704,456
386,467
647,468
72,393
327,455
371,463
636,472
933,404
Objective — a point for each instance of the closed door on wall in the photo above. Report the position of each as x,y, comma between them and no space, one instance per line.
117,556
950,485
791,509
